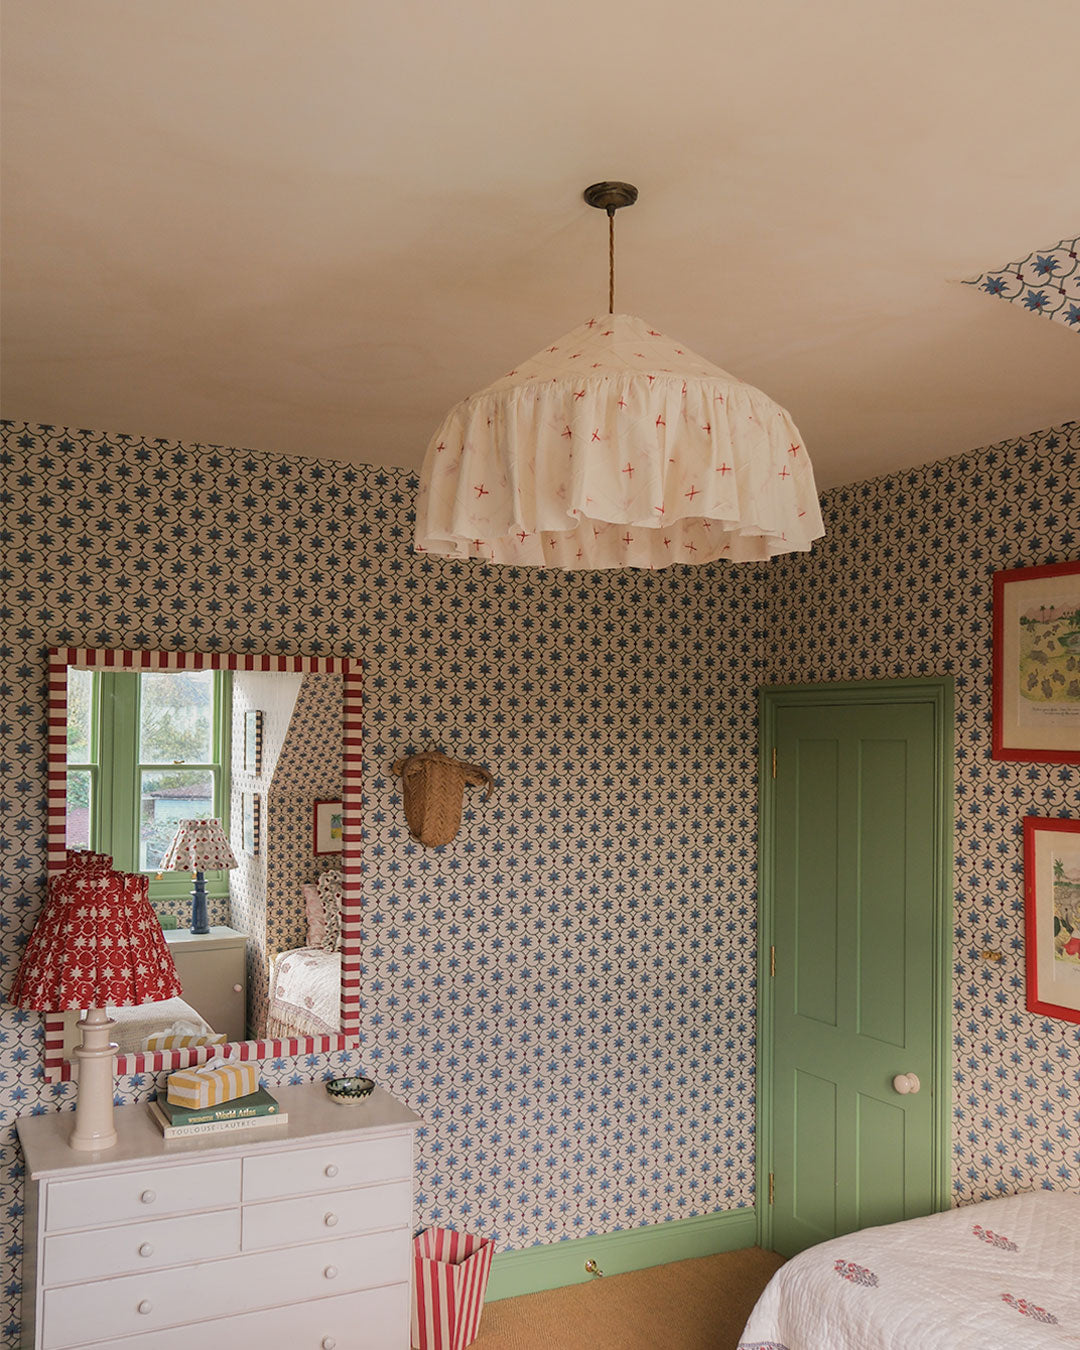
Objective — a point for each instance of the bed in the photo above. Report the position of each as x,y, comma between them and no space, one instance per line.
1003,1273
305,994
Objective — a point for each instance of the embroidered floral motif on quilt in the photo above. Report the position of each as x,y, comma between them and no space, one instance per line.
1029,1309
848,1270
993,1239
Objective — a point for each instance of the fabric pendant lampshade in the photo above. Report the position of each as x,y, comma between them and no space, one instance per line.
97,942
617,447
199,846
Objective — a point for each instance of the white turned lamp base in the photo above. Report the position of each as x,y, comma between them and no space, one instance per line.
96,1057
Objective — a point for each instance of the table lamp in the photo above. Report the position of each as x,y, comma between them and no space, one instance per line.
97,942
198,846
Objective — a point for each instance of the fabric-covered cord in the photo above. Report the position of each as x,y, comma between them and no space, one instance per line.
611,260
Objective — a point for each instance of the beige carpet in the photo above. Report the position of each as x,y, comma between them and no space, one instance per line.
688,1305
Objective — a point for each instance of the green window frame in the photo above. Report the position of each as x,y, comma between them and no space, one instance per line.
116,773
83,734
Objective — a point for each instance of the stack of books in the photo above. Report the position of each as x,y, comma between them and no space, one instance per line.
242,1113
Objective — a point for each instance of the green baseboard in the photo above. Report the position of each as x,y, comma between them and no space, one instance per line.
549,1267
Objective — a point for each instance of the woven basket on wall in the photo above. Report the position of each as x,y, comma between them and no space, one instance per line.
434,786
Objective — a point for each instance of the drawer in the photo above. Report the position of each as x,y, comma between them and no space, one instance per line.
332,1167
136,1305
377,1319
74,1257
144,1194
313,1218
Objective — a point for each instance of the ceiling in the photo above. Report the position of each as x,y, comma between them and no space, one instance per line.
314,227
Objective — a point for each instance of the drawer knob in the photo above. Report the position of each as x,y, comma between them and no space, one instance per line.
148,1197
328,1343
330,1272
238,988
146,1306
330,1220
330,1170
147,1249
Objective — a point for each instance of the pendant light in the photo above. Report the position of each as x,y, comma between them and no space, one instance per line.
616,446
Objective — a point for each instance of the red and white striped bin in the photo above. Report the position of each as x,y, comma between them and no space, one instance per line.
450,1276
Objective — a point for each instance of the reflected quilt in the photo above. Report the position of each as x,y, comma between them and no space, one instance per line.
305,994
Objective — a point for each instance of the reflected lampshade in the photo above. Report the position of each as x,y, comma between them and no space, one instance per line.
198,846
97,942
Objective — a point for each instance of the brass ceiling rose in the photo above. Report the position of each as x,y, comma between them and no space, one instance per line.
610,197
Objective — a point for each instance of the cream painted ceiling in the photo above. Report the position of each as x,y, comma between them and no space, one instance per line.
312,227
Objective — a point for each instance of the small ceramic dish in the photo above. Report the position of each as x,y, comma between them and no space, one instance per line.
345,1090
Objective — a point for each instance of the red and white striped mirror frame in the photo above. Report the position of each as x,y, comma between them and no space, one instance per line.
104,658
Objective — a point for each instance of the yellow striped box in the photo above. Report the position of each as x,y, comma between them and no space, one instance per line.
211,1086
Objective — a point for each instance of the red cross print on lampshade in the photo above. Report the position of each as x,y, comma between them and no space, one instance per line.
97,942
198,846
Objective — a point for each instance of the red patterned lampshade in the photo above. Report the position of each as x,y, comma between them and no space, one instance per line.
98,942
82,860
198,846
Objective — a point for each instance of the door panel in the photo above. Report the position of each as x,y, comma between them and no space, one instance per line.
813,924
881,1151
880,892
853,860
814,1181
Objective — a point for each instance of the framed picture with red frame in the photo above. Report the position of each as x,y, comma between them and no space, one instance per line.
1052,916
1037,663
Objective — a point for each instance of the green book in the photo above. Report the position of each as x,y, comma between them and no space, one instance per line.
257,1103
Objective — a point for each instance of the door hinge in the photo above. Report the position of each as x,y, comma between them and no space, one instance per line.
772,962
772,1188
774,761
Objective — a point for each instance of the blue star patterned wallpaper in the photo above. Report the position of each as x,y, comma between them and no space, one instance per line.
1045,282
902,585
566,992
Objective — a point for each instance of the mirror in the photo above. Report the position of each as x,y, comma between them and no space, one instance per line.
270,746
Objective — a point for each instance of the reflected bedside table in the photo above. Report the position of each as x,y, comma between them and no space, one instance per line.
213,972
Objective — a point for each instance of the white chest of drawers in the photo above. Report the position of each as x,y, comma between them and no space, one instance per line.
290,1237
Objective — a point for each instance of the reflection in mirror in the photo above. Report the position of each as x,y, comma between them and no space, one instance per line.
144,748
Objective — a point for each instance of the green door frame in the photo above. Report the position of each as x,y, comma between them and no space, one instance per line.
938,692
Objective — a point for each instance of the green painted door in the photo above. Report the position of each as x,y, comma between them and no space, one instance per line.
854,856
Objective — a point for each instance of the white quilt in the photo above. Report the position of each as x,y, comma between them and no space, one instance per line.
1004,1273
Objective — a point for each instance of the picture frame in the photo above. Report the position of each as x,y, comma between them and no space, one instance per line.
328,832
1052,916
1036,671
253,732
251,811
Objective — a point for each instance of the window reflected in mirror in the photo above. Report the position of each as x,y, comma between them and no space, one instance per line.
145,749
81,759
